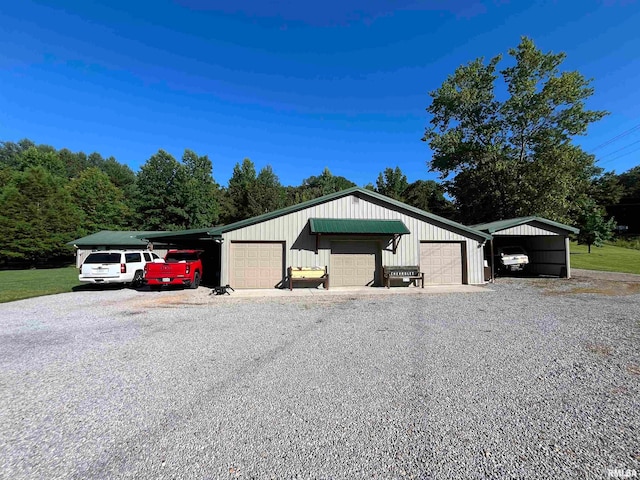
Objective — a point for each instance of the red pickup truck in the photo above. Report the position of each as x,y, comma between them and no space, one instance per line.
180,267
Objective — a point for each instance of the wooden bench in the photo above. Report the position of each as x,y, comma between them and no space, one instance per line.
406,274
308,275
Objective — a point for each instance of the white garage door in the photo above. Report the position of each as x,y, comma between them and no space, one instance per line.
256,265
441,263
352,264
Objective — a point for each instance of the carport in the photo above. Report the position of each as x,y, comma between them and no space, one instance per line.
545,241
204,239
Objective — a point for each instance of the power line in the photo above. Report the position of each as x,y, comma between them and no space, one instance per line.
620,149
616,138
620,156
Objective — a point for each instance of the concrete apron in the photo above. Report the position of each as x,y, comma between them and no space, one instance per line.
305,292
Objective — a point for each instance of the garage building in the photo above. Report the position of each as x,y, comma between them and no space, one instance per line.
546,243
354,233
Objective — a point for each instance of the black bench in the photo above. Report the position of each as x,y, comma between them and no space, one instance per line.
410,274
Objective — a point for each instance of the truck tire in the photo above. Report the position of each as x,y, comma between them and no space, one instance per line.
196,280
138,279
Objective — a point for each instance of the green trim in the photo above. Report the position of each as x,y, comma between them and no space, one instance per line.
357,226
492,227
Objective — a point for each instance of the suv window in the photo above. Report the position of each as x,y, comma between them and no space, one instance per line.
147,257
103,258
132,258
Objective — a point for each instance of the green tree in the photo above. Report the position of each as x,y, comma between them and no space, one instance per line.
594,228
200,191
267,194
317,186
630,182
239,191
326,183
45,157
95,160
606,189
125,179
161,183
428,195
74,163
512,157
392,183
249,194
38,217
10,153
6,175
100,201
119,174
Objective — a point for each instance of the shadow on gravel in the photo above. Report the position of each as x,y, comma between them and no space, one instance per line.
163,288
97,288
524,275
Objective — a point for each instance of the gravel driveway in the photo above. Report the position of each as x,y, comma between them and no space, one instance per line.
532,379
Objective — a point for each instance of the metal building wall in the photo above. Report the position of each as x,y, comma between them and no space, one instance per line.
300,244
530,229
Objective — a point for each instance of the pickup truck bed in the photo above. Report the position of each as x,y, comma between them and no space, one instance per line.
180,267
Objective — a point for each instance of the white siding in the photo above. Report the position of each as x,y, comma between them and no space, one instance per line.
300,244
530,229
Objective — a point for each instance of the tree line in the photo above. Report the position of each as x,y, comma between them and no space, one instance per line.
50,197
502,143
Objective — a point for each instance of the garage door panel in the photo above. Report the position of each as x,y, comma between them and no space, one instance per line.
256,265
353,264
441,263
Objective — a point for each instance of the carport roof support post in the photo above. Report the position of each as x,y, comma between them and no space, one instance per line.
567,253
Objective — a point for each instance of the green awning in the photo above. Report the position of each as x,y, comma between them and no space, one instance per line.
338,226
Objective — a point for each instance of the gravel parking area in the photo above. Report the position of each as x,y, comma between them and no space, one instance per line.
534,379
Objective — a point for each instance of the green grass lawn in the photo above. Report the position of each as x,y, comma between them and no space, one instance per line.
19,284
607,258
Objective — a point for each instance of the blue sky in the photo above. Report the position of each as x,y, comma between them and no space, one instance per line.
297,85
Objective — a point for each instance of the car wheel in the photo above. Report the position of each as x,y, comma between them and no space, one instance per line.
138,279
196,281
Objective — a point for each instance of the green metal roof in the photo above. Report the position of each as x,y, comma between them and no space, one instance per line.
357,191
358,226
180,234
498,225
114,238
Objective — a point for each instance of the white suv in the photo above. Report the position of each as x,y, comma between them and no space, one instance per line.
116,266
